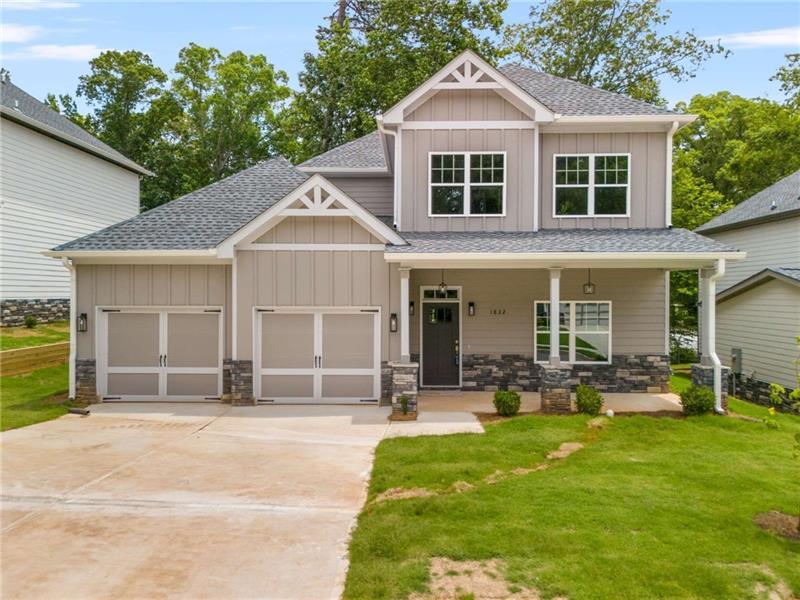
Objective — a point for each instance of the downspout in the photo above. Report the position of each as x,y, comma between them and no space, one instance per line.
711,298
668,191
395,170
73,323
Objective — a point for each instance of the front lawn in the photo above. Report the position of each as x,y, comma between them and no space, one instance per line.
22,337
649,508
33,397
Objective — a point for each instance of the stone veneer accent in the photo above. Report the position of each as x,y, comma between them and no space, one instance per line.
703,375
240,378
86,382
757,391
492,372
386,384
46,310
404,383
555,390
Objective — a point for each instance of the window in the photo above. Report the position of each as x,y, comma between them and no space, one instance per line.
470,183
591,185
448,294
585,332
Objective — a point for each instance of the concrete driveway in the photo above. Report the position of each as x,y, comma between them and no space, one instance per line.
200,501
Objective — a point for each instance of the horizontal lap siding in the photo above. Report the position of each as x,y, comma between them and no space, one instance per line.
150,285
52,193
637,296
376,194
764,323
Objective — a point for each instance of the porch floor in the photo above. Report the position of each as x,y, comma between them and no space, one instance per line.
461,401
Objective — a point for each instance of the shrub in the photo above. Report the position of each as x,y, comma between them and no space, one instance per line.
404,404
697,400
588,400
506,403
31,321
679,355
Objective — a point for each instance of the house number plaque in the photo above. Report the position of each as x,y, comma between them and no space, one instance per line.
497,311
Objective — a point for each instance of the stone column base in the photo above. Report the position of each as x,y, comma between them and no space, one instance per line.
555,390
703,376
240,380
86,382
404,383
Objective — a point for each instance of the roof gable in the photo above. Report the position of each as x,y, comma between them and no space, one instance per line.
788,275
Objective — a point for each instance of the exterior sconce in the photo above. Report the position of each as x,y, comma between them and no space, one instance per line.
83,323
471,309
393,323
588,287
411,308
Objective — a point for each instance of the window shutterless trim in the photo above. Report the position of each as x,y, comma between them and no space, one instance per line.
572,333
466,184
591,185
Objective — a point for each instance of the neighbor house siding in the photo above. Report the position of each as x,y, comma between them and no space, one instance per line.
647,177
764,322
376,194
637,297
150,285
52,193
772,244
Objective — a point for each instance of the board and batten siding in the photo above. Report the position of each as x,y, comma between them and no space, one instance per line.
376,194
647,177
51,193
316,278
771,244
764,322
467,105
150,285
637,297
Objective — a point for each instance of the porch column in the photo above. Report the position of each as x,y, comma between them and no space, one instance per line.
702,318
710,361
405,320
555,300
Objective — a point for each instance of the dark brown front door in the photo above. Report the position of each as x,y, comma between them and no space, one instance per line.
440,344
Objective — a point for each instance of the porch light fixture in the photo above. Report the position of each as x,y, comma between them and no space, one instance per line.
83,323
443,285
411,308
471,309
393,323
588,287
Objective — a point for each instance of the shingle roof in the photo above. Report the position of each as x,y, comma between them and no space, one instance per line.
570,98
560,240
365,152
790,275
15,101
777,200
790,272
203,218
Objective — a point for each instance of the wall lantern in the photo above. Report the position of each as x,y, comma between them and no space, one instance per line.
393,323
443,285
83,323
471,309
411,308
588,287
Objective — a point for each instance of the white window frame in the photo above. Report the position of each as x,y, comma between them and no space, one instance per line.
467,184
572,333
592,185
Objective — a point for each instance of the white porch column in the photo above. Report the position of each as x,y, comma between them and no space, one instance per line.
709,279
555,301
702,318
405,320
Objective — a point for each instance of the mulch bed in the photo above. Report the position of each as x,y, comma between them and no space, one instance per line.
778,523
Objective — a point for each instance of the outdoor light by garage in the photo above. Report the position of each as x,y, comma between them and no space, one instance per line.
393,323
83,323
411,308
471,309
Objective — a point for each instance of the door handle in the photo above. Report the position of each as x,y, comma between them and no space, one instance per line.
160,360
165,360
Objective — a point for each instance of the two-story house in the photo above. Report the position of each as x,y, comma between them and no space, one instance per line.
428,253
57,182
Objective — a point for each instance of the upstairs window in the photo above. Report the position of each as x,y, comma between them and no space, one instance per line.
467,183
591,185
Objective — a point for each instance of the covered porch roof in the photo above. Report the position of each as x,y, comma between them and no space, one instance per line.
664,248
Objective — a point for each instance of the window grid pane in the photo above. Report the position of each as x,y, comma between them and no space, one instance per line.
588,342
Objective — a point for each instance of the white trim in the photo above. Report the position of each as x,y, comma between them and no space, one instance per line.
234,309
683,119
668,190
73,324
467,184
208,253
405,317
591,185
345,170
398,179
537,132
469,125
666,312
313,247
555,327
422,301
571,332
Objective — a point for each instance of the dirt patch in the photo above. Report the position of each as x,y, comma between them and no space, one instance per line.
598,423
564,450
403,494
525,470
778,523
495,477
454,580
459,487
490,417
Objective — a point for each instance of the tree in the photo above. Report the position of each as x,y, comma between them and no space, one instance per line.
65,104
612,44
789,77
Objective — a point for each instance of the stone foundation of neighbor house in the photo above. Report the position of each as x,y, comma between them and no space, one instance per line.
703,376
647,373
404,383
758,392
47,310
86,382
237,382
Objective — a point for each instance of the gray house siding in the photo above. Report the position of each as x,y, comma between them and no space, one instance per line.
376,194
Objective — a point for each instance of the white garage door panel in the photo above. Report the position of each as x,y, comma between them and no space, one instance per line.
197,384
193,340
133,384
347,386
289,341
288,386
133,340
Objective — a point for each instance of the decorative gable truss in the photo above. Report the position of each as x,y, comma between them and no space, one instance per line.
315,197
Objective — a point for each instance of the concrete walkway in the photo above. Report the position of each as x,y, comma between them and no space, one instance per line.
190,500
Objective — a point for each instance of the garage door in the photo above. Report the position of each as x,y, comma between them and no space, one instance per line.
160,354
314,355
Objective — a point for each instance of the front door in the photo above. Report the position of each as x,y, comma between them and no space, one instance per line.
440,353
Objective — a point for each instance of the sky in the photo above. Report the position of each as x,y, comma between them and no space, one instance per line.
46,44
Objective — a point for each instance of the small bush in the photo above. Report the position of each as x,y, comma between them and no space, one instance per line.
679,355
588,400
506,403
404,404
697,400
31,321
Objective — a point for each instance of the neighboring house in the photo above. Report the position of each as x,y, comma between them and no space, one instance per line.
57,182
758,299
436,244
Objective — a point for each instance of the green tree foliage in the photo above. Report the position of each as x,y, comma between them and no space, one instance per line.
617,45
789,77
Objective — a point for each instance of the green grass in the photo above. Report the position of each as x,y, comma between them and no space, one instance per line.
650,508
22,337
33,397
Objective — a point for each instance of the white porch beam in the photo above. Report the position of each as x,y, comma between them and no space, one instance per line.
405,320
555,301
